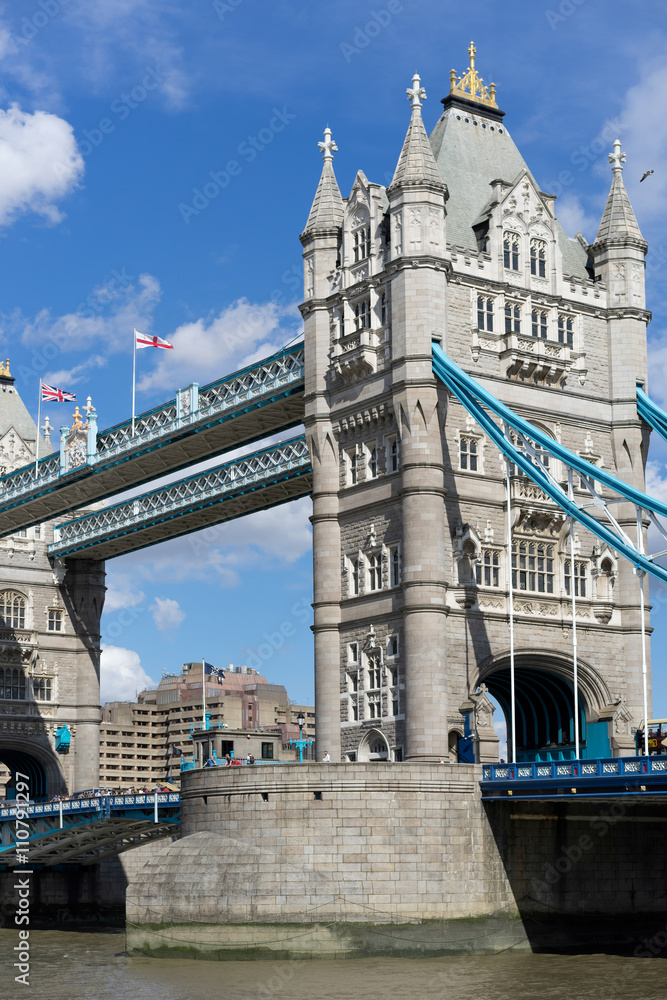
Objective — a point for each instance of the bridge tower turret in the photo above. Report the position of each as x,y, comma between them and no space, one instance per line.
49,637
618,259
418,293
321,241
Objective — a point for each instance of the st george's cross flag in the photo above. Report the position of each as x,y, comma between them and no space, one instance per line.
142,340
51,394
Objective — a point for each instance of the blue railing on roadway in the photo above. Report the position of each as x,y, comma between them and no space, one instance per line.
558,769
100,803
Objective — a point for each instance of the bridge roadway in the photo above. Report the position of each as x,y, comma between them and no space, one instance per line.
600,778
264,479
201,422
83,831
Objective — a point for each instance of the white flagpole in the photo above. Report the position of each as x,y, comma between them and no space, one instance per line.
39,420
134,375
511,607
203,691
575,661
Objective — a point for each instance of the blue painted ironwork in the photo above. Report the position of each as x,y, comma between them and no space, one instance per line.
86,829
63,739
194,410
277,464
301,745
550,779
527,458
651,413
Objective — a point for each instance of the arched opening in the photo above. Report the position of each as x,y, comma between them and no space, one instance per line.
22,763
545,707
373,747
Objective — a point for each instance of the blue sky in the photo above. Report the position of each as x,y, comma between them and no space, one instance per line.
115,114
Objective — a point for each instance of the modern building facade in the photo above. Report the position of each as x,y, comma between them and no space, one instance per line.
412,562
142,742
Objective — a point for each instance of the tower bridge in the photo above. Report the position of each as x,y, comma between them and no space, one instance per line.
475,456
462,250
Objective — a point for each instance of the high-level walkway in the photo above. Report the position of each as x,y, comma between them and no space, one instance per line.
200,423
264,479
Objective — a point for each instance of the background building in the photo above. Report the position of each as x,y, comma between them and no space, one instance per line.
138,739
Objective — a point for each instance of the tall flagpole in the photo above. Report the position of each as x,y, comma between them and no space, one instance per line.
39,420
511,607
203,691
134,375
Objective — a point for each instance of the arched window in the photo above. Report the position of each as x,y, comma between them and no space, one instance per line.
12,684
538,258
12,610
511,251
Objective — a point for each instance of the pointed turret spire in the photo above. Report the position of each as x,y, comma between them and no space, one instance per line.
416,164
618,219
327,208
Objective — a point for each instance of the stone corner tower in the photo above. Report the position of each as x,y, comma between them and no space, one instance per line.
412,566
49,637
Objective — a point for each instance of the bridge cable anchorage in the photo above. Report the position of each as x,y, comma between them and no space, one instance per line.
534,446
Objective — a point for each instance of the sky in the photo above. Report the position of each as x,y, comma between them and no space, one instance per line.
157,164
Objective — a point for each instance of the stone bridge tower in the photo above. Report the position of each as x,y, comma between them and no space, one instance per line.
411,559
49,638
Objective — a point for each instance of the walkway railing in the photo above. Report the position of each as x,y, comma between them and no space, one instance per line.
557,769
247,475
84,451
104,804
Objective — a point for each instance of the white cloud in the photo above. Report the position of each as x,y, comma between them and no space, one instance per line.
132,31
121,674
657,368
167,614
237,336
121,592
106,316
574,218
646,143
39,163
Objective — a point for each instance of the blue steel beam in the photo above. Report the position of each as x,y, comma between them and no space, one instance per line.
91,828
652,414
265,398
272,476
477,401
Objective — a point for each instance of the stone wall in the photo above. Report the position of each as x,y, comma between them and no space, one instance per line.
334,860
321,859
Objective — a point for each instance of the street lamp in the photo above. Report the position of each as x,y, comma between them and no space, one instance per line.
301,743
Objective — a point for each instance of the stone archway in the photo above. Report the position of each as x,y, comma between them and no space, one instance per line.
38,763
545,704
373,746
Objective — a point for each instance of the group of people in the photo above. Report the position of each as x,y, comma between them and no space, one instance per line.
94,793
229,761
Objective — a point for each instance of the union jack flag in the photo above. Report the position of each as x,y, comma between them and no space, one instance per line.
51,394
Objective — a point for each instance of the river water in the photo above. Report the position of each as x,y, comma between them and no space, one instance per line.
74,966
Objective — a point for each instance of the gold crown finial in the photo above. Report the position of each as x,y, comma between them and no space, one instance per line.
471,86
4,369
